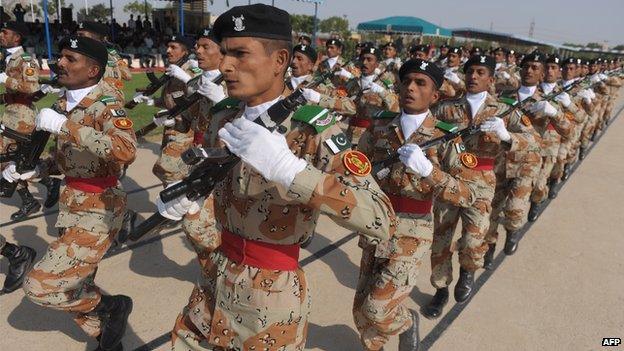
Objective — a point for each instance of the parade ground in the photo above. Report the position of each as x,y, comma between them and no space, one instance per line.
562,290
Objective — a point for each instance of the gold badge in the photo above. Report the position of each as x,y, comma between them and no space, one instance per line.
357,163
526,120
469,160
569,115
30,72
123,123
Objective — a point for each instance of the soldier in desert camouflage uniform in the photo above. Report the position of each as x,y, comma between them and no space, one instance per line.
95,141
453,86
505,79
21,80
253,295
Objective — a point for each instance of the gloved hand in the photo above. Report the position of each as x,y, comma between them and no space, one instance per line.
586,95
344,73
163,121
595,79
140,98
504,75
311,95
50,120
47,89
564,99
496,125
177,208
602,76
413,157
3,78
268,153
376,88
10,174
452,76
193,63
211,90
543,108
178,73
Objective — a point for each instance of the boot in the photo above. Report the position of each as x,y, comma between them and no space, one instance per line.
127,227
53,185
307,241
488,259
566,171
119,346
409,339
511,242
29,205
582,153
464,286
434,308
553,190
594,135
20,261
534,211
114,312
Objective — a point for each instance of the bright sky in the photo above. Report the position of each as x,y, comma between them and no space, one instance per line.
557,21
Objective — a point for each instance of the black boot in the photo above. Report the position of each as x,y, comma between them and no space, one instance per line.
29,205
582,153
119,346
20,261
434,308
511,243
566,171
594,135
488,259
534,211
553,190
114,312
53,186
409,339
464,286
127,227
307,241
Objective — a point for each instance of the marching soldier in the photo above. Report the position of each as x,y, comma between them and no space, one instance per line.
419,52
333,50
392,62
598,92
505,78
95,141
20,260
21,79
441,59
453,86
253,294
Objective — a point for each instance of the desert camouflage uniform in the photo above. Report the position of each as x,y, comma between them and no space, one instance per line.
392,67
169,167
22,81
334,99
117,71
613,84
242,307
388,270
475,219
501,83
451,90
2,241
597,110
96,141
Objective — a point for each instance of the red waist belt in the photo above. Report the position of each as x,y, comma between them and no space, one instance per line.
406,205
360,122
258,254
91,185
21,99
198,138
484,164
550,126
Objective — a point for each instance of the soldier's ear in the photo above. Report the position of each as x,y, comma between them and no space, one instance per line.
282,60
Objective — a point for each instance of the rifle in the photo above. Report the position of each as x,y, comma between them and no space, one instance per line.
214,164
155,83
25,155
176,110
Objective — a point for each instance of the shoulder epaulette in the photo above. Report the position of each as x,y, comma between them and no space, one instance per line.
108,99
112,51
385,114
26,56
507,100
447,103
196,70
316,116
225,104
446,127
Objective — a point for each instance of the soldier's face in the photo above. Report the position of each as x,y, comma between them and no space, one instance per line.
444,51
584,70
390,52
252,72
499,56
175,51
76,71
593,68
569,71
420,55
8,38
478,79
208,54
511,59
417,93
532,73
553,72
301,65
369,63
333,50
453,59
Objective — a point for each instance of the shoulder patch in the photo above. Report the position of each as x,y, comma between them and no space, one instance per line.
338,143
123,123
225,104
196,70
112,51
118,112
508,100
385,114
26,57
316,116
447,127
111,63
107,100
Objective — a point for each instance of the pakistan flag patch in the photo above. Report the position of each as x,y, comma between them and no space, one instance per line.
338,143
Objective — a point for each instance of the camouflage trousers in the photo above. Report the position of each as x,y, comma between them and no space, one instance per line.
169,166
510,206
240,307
387,276
200,229
64,277
567,152
2,241
20,118
540,186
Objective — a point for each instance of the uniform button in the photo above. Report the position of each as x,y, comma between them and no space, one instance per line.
281,129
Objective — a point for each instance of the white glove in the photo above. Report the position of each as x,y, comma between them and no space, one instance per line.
497,126
564,99
47,89
140,98
177,208
376,88
505,75
344,73
163,121
212,91
592,93
10,174
268,153
413,157
178,73
193,63
50,120
543,108
595,79
603,76
586,95
312,95
452,76
3,78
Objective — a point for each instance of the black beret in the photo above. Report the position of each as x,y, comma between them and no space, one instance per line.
476,51
188,42
455,50
511,52
336,42
554,59
306,50
17,27
417,65
481,60
86,46
370,50
94,27
360,45
570,61
444,46
390,44
421,48
257,21
585,62
535,56
305,37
